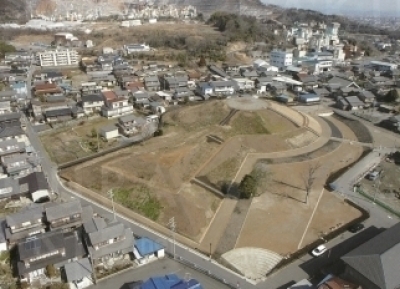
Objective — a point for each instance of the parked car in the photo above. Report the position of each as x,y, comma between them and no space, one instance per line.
356,227
321,249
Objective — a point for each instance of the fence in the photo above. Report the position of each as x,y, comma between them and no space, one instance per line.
379,203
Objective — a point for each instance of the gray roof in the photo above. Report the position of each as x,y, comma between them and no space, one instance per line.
321,91
9,183
33,182
29,214
128,118
92,97
367,94
62,111
40,245
354,101
109,128
11,145
94,225
113,230
10,117
221,83
11,131
151,79
10,159
378,259
124,246
339,81
78,270
2,231
58,211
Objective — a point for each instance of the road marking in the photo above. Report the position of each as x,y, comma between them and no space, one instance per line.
309,221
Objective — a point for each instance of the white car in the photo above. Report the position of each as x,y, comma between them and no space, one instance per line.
321,249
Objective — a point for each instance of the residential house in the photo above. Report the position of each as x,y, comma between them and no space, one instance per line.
250,74
105,81
217,71
10,128
152,83
19,165
66,216
115,106
232,68
392,123
7,95
379,82
125,80
373,264
90,88
303,284
9,188
342,103
134,86
147,250
277,87
308,98
52,248
321,92
225,88
354,102
204,89
25,223
284,98
35,185
366,96
182,93
92,103
348,91
309,81
109,132
19,86
58,114
335,83
43,91
263,82
130,124
243,84
79,273
173,82
141,98
11,146
105,241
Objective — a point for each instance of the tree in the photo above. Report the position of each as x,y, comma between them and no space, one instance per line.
247,187
202,61
309,178
51,271
391,96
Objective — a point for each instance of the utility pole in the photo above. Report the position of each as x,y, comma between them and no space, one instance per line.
110,194
172,225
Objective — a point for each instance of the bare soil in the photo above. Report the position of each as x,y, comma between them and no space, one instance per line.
165,165
278,218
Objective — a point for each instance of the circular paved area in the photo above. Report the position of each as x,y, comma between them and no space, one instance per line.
246,103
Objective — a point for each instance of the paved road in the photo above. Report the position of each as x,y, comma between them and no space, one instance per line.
160,268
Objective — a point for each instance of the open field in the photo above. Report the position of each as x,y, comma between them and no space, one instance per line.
280,220
154,178
71,142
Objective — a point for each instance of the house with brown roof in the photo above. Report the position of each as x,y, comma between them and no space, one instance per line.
115,106
333,282
46,90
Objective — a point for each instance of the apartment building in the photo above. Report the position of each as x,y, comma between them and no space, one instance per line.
281,59
66,57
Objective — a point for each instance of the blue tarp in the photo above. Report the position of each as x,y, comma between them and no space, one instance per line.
146,246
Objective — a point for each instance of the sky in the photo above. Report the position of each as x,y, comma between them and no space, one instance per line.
346,7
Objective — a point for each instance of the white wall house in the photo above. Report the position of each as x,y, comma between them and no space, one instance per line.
281,59
66,57
132,48
244,83
116,107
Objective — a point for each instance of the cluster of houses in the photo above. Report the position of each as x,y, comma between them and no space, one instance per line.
70,238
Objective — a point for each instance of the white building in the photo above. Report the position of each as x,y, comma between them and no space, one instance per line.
65,57
281,59
243,83
132,48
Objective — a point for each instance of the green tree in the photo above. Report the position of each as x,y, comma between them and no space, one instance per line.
247,187
5,48
391,96
51,271
202,61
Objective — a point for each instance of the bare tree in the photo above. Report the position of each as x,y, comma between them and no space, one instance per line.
309,178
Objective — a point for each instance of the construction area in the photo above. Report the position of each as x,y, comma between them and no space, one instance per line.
205,152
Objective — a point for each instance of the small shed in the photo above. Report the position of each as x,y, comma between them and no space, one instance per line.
284,98
309,98
109,132
147,250
79,274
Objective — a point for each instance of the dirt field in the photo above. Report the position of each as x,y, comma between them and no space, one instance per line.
68,143
162,168
277,220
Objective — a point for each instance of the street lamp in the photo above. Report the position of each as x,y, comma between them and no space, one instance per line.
110,194
210,251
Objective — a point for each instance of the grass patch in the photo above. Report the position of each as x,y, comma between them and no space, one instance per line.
247,123
140,199
225,172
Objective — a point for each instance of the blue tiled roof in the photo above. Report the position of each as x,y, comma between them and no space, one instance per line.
146,246
171,281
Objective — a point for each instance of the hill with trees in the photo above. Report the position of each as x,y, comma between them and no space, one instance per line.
13,10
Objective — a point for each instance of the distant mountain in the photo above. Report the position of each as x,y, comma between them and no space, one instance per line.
207,7
13,10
